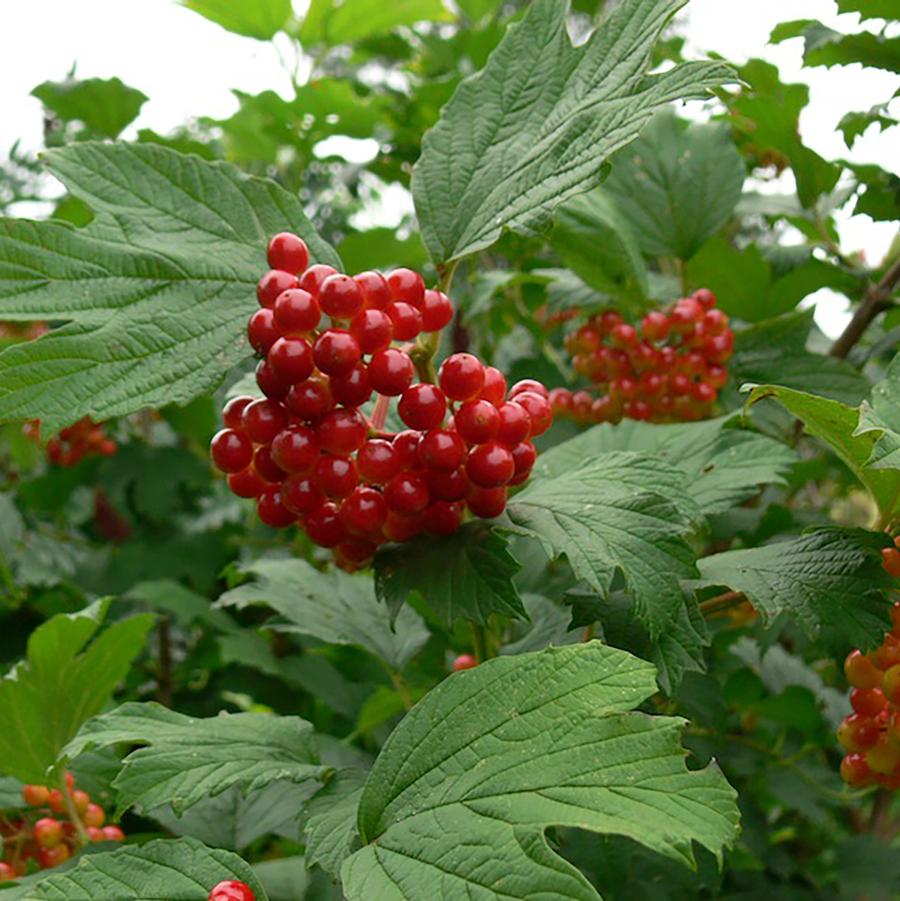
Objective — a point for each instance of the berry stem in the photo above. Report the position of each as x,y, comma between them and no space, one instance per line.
379,413
722,602
83,837
402,689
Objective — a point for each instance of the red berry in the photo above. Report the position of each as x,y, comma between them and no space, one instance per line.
530,385
364,511
234,410
336,351
437,311
490,465
538,408
312,279
442,518
248,483
623,389
231,451
607,321
890,560
56,802
94,816
718,349
391,372
406,494
81,801
461,376
289,252
300,495
335,476
270,382
407,286
401,528
377,461
685,314
357,551
655,326
53,857
374,287
6,872
310,400
447,486
113,834
95,834
340,297
296,312
464,661
406,444
680,383
324,527
524,456
36,795
856,733
295,449
624,336
262,332
487,503
494,390
887,654
405,319
271,510
292,359
715,322
638,409
231,890
651,384
855,771
442,449
703,392
716,375
272,284
265,466
643,356
514,424
48,833
342,431
262,420
868,701
352,389
422,407
704,297
373,330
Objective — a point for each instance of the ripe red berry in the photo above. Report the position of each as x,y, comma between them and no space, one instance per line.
296,312
718,349
703,392
528,385
94,816
270,382
356,551
231,451
373,330
81,801
856,733
524,457
295,449
340,297
272,284
437,311
422,406
313,278
406,494
490,465
855,771
461,376
391,371
289,252
95,833
494,390
262,332
638,409
310,400
271,510
336,351
486,503
375,290
364,511
324,526
48,833
442,449
655,326
292,359
478,421
446,485
262,420
342,431
442,518
234,410
352,389
464,661
300,495
36,795
334,476
6,872
890,559
265,466
704,297
685,314
405,319
514,424
248,483
538,408
377,461
231,890
53,857
624,336
113,834
407,286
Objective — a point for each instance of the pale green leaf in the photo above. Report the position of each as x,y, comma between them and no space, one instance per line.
869,9
334,23
535,126
261,19
459,799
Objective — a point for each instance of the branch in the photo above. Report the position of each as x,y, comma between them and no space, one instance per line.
876,300
722,602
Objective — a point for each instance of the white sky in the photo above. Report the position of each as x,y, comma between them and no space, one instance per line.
187,66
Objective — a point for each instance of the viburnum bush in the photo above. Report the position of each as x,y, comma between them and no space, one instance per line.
543,542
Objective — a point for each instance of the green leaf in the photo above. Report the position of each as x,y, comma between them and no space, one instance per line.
824,46
171,869
285,878
881,414
836,425
620,511
158,287
354,20
459,799
478,9
829,578
467,575
105,106
592,237
880,198
536,124
724,466
331,833
677,184
261,19
45,699
333,606
853,125
775,351
188,759
869,9
551,624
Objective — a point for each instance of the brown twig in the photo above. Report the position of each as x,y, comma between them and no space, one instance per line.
722,602
876,300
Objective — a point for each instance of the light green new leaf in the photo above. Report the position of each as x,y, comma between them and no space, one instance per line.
466,575
535,126
157,288
334,606
677,185
187,759
105,106
869,9
354,20
836,424
171,869
261,19
47,697
459,799
724,466
830,578
621,511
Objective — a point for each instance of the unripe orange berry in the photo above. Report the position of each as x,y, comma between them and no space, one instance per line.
94,815
48,833
887,654
36,795
883,757
53,857
860,671
890,684
855,771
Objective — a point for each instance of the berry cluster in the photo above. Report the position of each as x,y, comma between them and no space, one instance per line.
52,829
670,369
82,439
232,890
309,455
